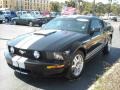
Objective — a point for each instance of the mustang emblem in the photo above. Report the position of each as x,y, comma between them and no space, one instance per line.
22,52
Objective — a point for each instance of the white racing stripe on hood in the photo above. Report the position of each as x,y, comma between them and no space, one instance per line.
23,42
32,41
19,61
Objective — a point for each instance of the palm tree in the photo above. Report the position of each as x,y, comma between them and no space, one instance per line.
110,1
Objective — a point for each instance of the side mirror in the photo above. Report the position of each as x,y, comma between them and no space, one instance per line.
93,30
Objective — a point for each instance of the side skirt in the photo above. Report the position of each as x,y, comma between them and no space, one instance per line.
95,51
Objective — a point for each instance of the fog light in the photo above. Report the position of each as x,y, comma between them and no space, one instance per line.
12,50
55,67
36,54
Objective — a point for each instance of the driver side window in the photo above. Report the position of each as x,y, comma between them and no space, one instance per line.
95,24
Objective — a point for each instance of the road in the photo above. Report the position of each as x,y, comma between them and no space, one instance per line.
9,80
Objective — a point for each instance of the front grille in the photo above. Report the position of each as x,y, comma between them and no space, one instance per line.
27,53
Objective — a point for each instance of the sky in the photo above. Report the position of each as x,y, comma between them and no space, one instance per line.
104,1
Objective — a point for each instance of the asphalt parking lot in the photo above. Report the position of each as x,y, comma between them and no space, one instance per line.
9,80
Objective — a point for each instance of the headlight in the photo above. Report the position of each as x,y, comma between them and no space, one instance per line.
58,56
12,50
36,54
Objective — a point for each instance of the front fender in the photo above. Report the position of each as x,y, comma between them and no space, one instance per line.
76,46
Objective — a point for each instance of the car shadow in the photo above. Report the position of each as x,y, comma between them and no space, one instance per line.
95,68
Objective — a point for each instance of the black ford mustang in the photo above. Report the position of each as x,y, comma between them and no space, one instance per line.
64,45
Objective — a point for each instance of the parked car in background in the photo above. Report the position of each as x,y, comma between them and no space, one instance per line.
2,18
28,19
13,14
8,15
114,18
62,46
36,14
19,13
55,14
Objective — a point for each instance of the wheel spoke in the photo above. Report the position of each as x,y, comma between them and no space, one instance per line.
77,65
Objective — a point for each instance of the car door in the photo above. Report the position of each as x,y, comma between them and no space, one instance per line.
96,42
22,19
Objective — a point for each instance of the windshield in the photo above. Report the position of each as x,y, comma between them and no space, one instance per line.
77,25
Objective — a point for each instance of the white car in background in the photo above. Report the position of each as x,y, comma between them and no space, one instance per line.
36,14
19,13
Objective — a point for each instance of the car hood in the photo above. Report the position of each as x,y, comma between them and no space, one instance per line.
46,40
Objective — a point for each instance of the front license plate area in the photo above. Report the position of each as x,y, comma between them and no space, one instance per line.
21,72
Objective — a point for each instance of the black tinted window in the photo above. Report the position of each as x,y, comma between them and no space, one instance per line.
96,24
78,25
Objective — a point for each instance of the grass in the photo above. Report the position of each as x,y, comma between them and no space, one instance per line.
110,80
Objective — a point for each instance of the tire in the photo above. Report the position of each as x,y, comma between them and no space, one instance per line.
40,24
0,22
107,48
77,65
6,20
30,24
14,22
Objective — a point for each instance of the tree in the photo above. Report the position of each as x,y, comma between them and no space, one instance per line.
55,6
115,8
99,8
70,4
87,7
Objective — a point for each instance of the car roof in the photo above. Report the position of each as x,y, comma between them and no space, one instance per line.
78,16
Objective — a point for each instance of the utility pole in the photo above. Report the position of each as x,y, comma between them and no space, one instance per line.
110,6
93,11
80,5
21,5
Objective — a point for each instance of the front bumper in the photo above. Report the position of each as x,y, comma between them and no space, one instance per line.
27,66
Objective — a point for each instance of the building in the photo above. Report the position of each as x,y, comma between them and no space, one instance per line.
11,4
35,4
25,4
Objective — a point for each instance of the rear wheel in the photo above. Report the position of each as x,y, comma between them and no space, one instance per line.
107,48
30,24
77,65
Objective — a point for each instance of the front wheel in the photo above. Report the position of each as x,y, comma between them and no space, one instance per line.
6,20
76,67
107,48
14,22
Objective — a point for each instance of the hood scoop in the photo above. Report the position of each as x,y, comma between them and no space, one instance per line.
44,32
